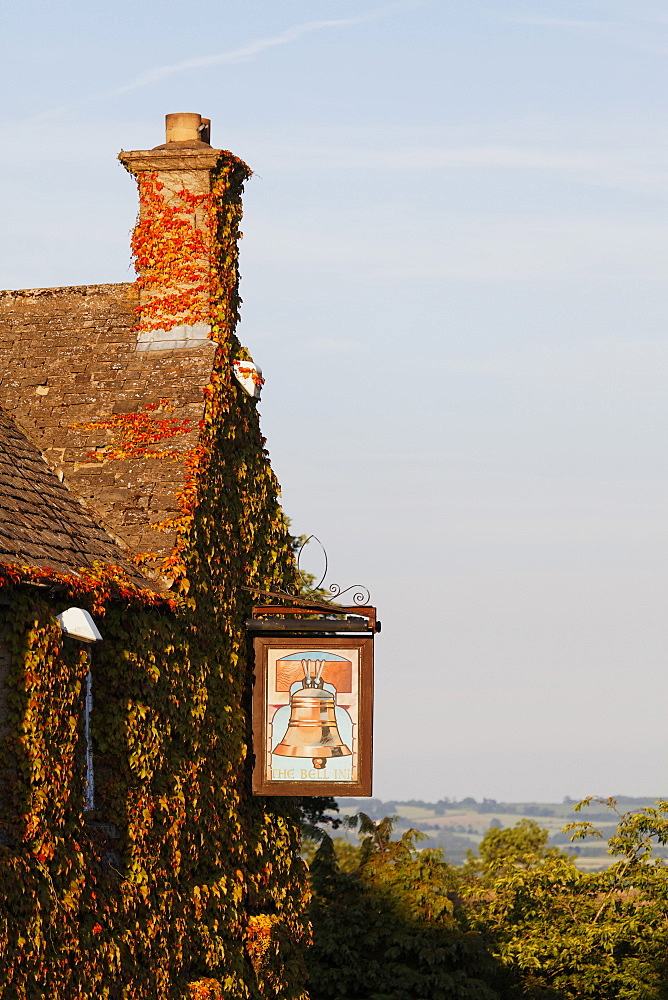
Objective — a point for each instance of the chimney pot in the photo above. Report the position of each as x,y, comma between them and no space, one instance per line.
184,127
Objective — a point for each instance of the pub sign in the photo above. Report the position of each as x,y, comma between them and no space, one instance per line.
312,714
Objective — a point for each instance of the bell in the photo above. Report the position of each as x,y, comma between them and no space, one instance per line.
312,730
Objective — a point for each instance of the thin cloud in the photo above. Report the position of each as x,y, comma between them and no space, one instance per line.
638,170
501,249
254,47
635,18
561,22
243,54
632,32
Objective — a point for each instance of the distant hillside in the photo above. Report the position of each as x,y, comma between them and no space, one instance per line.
458,826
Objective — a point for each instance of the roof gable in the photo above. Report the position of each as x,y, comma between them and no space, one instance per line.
42,524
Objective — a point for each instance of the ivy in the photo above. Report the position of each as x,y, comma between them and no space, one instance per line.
180,884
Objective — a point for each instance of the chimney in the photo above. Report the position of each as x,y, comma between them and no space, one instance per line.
183,128
77,358
174,242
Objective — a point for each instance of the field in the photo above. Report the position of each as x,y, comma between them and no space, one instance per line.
457,827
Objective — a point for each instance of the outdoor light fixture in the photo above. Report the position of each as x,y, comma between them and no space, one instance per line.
78,624
249,377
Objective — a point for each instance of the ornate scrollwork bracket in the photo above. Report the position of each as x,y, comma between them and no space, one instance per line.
359,594
310,609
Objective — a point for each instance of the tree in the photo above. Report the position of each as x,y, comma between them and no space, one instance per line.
388,929
521,846
518,920
564,934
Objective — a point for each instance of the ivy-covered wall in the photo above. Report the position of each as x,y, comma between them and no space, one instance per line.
180,883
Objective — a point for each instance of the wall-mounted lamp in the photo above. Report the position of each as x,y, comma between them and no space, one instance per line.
78,624
249,377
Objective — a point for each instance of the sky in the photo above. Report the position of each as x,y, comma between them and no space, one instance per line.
454,273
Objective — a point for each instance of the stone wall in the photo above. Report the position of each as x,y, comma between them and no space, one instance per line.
69,355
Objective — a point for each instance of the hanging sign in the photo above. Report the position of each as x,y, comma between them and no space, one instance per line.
312,714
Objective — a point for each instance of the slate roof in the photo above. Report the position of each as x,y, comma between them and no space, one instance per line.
41,522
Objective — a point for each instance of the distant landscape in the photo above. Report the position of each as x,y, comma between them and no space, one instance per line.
458,826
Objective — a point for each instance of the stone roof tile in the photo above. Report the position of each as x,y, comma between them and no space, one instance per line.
41,522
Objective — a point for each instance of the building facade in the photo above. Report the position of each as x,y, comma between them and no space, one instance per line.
134,484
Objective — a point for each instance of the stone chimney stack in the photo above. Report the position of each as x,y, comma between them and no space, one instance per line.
173,240
77,359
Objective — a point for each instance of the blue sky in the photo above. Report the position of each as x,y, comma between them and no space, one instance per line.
454,278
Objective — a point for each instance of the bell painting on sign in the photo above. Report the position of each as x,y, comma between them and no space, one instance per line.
312,715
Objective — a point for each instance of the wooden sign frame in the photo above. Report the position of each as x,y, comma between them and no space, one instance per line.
276,683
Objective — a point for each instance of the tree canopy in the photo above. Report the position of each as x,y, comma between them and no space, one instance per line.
518,919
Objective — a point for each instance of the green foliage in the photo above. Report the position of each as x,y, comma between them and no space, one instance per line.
518,920
347,854
181,884
521,846
387,930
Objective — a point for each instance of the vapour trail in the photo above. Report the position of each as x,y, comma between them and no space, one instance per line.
255,47
246,52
